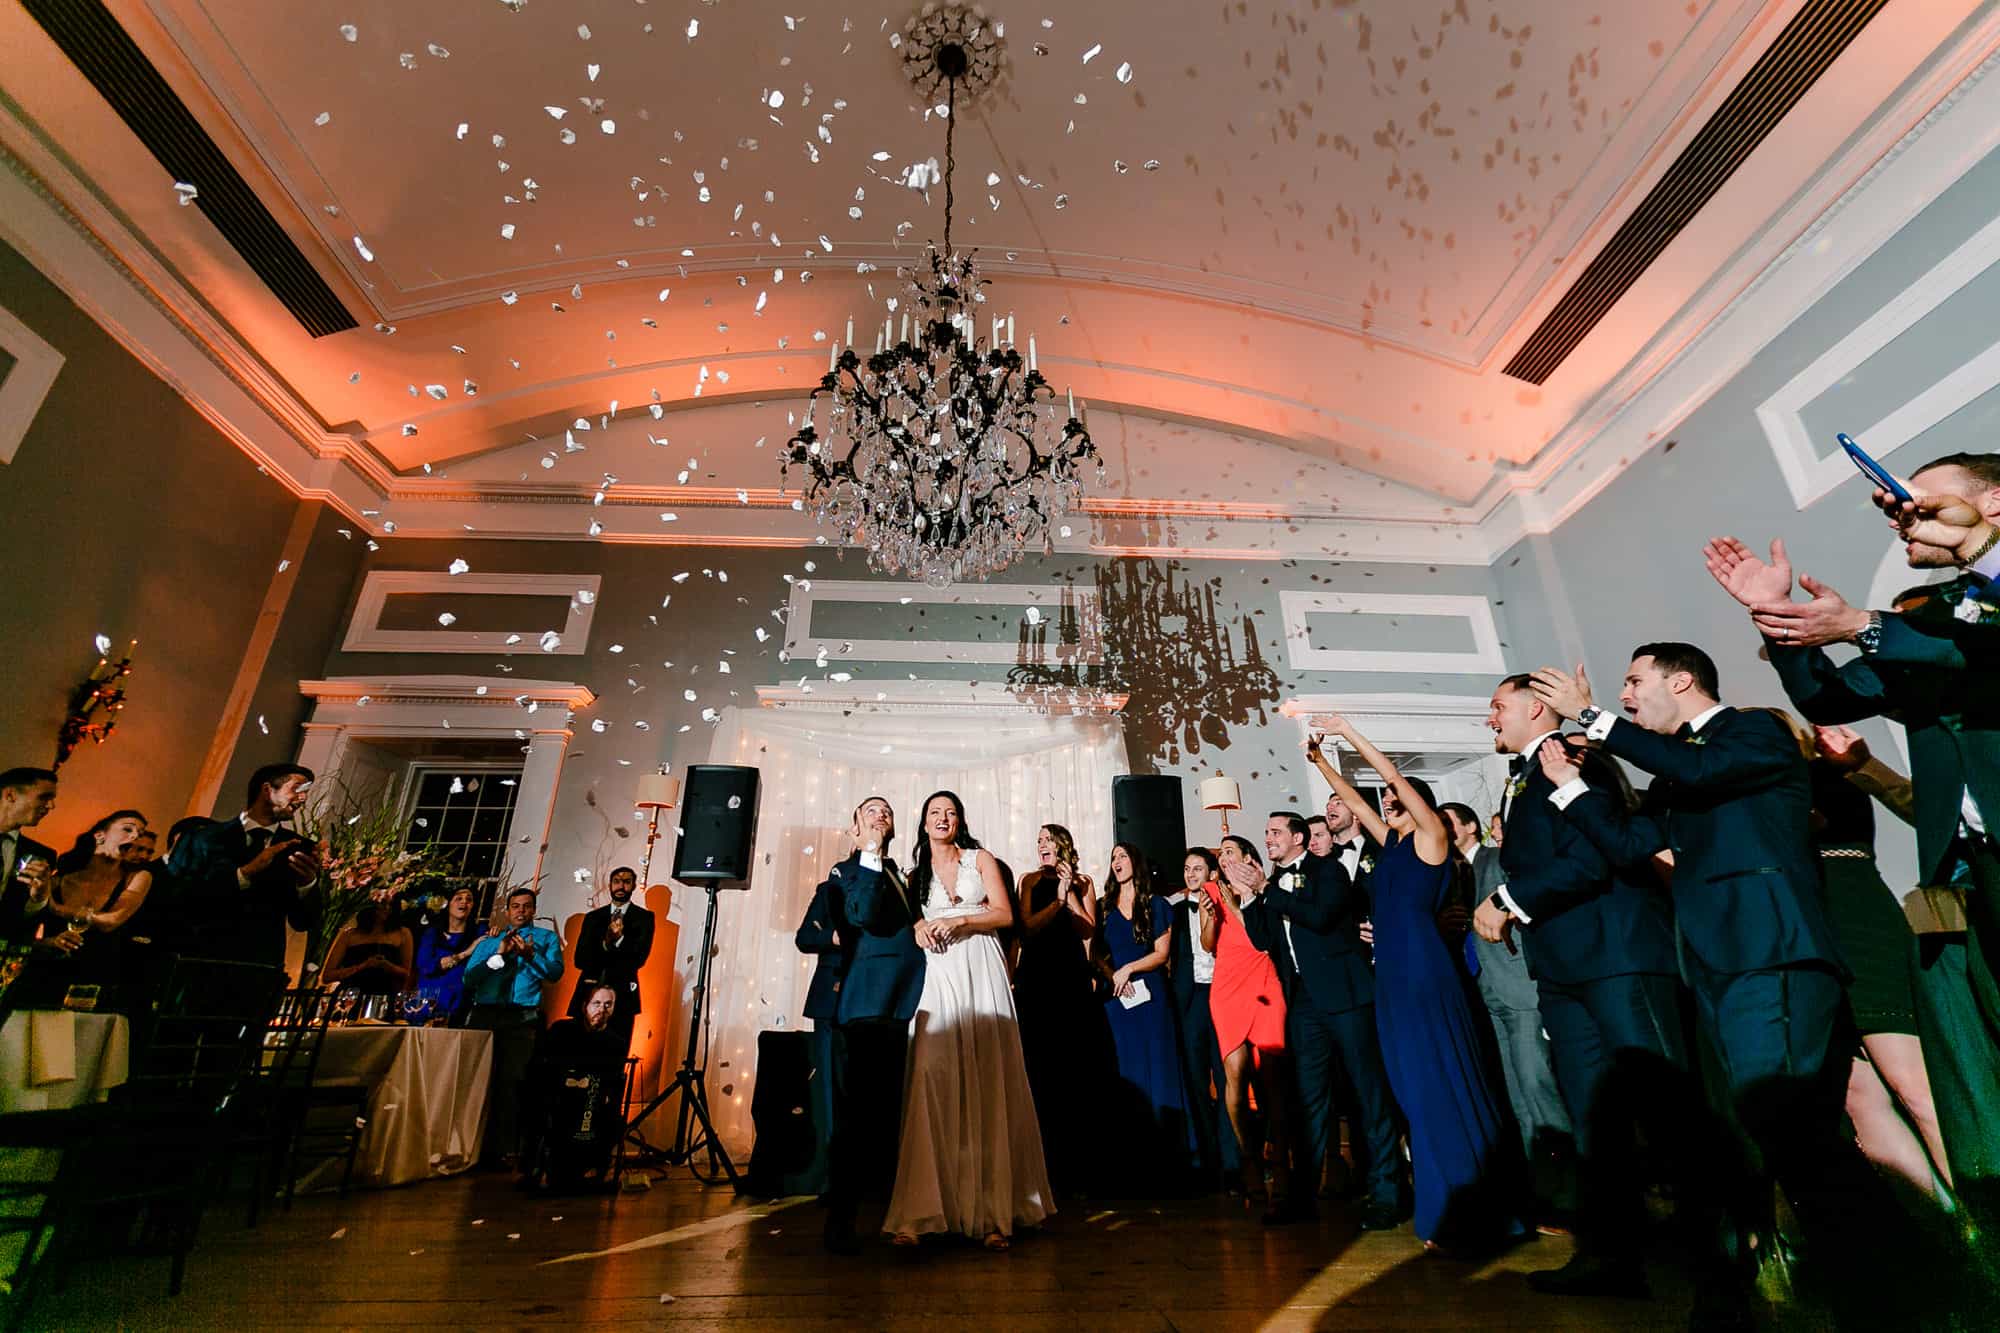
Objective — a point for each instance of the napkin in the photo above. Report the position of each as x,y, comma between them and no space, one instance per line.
51,1046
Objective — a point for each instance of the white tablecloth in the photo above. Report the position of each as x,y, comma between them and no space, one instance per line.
426,1101
54,1059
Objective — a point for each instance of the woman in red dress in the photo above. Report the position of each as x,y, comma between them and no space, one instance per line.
1248,1006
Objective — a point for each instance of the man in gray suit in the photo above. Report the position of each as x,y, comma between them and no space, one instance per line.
1512,1001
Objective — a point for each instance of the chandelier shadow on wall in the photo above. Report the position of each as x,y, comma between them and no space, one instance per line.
945,455
1160,639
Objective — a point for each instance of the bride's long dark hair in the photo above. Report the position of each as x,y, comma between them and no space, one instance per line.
920,873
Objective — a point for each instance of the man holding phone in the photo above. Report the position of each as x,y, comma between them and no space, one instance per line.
242,881
1919,666
504,979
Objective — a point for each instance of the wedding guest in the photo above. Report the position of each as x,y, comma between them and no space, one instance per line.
1888,1088
1309,921
97,892
27,795
572,1095
1463,1153
505,978
1911,668
1512,1003
240,882
613,946
1134,938
970,1161
1599,940
1246,1002
373,955
443,948
1732,799
1190,978
1064,1035
179,829
1319,836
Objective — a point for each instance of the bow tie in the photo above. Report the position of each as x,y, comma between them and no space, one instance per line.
1515,765
1684,731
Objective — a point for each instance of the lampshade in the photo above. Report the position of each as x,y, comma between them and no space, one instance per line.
1220,793
657,791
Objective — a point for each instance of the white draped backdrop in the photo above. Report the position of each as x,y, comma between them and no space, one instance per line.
1015,769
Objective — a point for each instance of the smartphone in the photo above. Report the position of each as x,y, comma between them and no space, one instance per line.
1871,469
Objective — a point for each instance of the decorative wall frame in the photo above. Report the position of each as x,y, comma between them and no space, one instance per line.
1484,658
24,383
366,635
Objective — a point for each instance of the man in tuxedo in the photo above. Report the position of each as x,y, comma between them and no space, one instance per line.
819,937
1732,802
1928,664
27,868
1599,943
241,881
613,945
1307,916
882,979
1190,970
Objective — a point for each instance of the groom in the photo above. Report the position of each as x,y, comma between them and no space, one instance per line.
883,978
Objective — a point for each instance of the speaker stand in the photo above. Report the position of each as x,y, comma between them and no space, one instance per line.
694,1130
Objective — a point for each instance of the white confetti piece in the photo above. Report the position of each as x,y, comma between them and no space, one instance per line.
184,194
1091,54
457,567
339,1235
323,118
103,644
1125,72
694,28
446,618
350,32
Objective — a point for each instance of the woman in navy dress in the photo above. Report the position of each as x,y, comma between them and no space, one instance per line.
1463,1149
1134,936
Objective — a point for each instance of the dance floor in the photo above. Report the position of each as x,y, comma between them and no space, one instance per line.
474,1254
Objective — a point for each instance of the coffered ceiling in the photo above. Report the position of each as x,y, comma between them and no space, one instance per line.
1302,225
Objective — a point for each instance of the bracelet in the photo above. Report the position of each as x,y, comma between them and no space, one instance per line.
1992,538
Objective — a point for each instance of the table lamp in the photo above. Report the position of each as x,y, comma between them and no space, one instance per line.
657,791
1219,793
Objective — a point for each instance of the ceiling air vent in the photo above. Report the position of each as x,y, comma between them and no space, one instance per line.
115,66
1810,43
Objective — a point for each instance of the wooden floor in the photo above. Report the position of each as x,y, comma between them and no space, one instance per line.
472,1254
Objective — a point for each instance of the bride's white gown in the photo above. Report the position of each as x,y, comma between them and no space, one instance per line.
971,1157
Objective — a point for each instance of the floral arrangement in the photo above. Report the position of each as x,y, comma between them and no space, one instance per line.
363,859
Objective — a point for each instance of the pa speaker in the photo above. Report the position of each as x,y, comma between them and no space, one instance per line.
1146,812
718,823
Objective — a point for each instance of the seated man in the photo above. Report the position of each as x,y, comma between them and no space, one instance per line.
573,1098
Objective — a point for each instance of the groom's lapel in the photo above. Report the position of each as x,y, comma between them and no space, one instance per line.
895,875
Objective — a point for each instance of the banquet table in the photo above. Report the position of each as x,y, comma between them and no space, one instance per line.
53,1059
426,1100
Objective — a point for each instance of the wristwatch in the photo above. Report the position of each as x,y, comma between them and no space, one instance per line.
1588,717
1869,637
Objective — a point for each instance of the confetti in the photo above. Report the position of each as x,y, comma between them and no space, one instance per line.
457,567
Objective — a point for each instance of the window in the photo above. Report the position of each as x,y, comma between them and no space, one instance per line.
464,810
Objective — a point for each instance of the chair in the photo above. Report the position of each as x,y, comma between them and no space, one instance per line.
318,1117
273,1104
155,1145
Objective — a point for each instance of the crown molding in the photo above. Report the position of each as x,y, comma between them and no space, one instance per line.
460,691
941,696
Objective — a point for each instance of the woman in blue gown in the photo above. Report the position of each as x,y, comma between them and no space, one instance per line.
1134,932
1464,1152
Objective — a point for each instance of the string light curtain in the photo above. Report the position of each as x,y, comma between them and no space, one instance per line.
1014,771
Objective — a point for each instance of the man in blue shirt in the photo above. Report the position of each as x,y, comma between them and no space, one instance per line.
504,981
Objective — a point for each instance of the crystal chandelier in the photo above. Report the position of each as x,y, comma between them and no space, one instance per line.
945,454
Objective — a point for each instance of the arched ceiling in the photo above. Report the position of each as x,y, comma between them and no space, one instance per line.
1310,224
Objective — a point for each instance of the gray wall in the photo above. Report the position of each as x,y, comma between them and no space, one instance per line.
123,513
1239,734
1628,567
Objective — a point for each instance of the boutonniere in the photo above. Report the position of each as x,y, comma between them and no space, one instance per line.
1697,739
1368,862
1290,881
1518,785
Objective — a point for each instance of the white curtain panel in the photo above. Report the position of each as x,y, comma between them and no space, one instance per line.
1015,771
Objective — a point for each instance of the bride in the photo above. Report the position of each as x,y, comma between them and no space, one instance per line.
971,1158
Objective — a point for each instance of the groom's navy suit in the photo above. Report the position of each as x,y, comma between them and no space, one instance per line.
882,978
1330,1017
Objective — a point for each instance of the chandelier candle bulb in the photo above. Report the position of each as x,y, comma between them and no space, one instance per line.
1010,330
832,358
1031,351
850,330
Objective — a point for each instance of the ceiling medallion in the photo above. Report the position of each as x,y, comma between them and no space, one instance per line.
946,454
